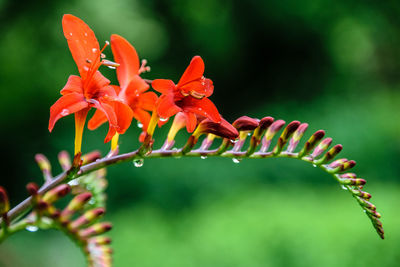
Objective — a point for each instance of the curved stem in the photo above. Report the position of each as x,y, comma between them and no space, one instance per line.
104,162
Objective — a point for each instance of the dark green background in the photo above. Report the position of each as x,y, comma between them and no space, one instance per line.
333,64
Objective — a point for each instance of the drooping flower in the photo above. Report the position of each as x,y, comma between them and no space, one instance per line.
189,96
132,89
91,89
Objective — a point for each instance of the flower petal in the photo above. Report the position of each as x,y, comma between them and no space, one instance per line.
126,55
166,106
98,119
191,121
65,105
73,85
147,101
163,86
143,117
194,71
96,83
109,112
82,43
202,107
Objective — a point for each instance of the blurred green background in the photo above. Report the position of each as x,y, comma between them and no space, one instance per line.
333,64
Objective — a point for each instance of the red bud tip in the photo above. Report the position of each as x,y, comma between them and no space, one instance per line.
4,202
265,122
43,162
245,123
90,157
223,129
32,189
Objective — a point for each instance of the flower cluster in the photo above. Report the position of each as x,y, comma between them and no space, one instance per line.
119,104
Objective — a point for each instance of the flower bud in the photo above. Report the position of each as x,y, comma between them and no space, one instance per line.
286,134
245,123
90,157
95,229
222,129
64,160
297,135
321,147
4,202
75,204
311,143
272,130
43,163
56,193
88,217
352,181
100,240
331,154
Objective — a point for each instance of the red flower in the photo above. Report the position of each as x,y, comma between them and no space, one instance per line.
132,90
188,96
91,89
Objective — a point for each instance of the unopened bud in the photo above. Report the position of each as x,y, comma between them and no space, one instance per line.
56,193
321,147
286,134
64,160
297,135
222,129
95,229
4,202
75,204
361,194
100,240
90,157
43,162
88,217
272,130
32,189
245,123
352,181
331,154
311,143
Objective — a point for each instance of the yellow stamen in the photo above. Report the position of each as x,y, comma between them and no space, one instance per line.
114,142
80,118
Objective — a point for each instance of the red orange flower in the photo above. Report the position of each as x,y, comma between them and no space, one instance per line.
189,96
91,89
132,89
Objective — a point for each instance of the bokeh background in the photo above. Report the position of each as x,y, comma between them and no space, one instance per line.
333,64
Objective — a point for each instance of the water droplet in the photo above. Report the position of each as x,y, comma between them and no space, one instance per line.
94,50
70,33
64,112
249,134
203,157
163,119
139,124
111,67
235,141
73,182
343,187
102,55
235,160
92,201
138,163
314,165
32,228
85,33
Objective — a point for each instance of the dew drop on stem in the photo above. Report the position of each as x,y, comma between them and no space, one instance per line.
139,124
32,228
138,163
236,161
203,157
